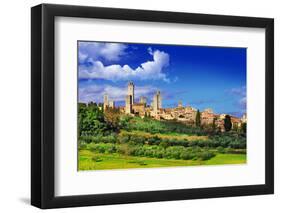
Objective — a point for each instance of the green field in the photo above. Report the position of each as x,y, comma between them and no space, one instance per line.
89,160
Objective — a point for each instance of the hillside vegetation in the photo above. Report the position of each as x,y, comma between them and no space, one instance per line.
111,140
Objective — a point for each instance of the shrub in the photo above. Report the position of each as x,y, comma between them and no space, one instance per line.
153,140
176,154
205,155
214,143
111,149
108,139
175,151
102,148
159,154
137,139
164,144
139,152
123,138
96,159
167,155
153,151
86,139
186,155
220,149
122,149
193,143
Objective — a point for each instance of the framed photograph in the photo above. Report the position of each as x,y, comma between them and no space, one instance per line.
139,106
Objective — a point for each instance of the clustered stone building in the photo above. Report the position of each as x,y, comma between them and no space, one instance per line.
180,113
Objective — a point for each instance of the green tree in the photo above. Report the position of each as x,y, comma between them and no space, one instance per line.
227,123
235,127
91,120
198,118
82,108
214,126
244,128
112,117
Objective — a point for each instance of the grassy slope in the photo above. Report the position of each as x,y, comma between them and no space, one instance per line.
227,159
115,161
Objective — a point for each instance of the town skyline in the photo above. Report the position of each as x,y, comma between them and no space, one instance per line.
111,103
180,113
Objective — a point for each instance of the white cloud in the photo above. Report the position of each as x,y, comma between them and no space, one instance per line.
95,93
149,49
82,57
150,70
243,102
241,93
99,50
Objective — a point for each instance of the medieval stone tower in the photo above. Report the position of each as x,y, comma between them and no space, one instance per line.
130,98
105,101
128,104
131,91
157,101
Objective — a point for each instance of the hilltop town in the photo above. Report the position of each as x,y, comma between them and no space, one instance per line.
180,113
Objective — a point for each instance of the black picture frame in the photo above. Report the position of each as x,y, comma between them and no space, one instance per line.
43,102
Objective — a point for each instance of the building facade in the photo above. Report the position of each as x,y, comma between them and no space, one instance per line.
180,113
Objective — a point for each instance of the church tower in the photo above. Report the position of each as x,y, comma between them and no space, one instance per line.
131,91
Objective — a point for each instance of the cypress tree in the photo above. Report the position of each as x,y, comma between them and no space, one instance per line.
227,123
198,119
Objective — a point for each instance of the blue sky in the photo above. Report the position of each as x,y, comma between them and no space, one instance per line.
199,76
